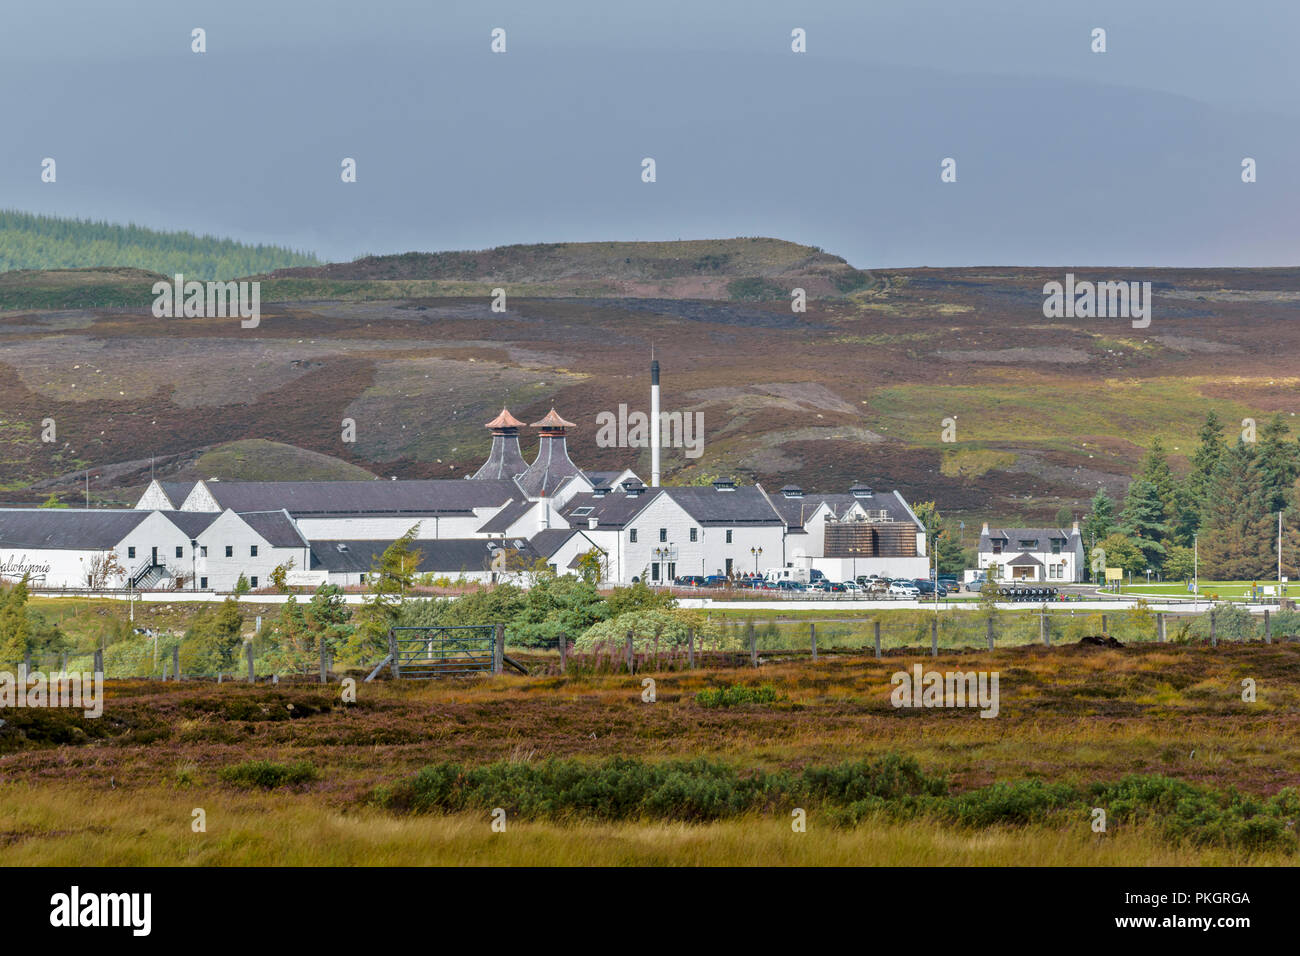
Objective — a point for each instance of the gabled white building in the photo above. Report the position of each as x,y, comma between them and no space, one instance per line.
1047,555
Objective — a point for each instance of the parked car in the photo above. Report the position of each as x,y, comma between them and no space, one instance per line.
949,581
790,586
715,581
821,585
927,587
690,581
853,587
904,589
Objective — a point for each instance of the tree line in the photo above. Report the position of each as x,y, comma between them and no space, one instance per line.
50,242
1226,506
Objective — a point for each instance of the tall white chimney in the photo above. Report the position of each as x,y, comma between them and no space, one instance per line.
654,423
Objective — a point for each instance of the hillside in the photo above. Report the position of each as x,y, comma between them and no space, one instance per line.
705,268
858,387
48,242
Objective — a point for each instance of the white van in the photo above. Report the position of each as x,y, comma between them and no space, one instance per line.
776,575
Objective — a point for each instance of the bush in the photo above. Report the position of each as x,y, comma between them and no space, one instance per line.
736,696
268,775
1231,623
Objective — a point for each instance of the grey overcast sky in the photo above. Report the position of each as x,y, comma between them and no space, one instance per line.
1064,156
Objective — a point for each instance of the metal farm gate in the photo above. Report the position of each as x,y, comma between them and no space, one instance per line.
422,653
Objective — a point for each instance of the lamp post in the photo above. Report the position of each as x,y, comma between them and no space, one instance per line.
756,552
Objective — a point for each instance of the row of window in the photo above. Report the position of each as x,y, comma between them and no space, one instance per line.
663,535
203,551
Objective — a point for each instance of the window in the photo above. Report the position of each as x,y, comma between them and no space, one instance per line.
130,552
997,545
1028,544
672,570
203,551
631,536
230,550
1056,545
180,552
728,536
252,550
695,534
252,583
654,571
663,534
203,583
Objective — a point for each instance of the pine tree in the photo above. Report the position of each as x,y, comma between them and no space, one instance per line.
1206,456
1155,469
1277,462
1101,519
1143,520
1236,537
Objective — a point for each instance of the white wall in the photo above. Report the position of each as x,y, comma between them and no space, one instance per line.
223,572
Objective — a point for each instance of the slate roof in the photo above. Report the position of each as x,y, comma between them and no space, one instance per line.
448,555
547,542
1013,536
741,506
67,529
1025,560
193,523
500,522
613,510
177,491
552,466
305,498
276,528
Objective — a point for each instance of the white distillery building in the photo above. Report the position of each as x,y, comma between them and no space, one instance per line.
510,514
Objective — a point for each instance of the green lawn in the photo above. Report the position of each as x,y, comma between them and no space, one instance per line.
1228,590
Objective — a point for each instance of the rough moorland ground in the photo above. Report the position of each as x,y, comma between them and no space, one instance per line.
858,387
1069,716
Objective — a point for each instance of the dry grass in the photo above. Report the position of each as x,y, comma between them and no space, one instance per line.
122,790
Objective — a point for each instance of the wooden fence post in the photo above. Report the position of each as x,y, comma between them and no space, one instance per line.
65,659
324,669
1268,628
989,630
166,664
690,648
1160,627
1104,632
629,651
564,652
252,677
934,636
1214,640
176,662
753,645
876,628
498,649
99,663
1044,630
812,636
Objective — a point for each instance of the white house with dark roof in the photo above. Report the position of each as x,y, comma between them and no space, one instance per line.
1048,555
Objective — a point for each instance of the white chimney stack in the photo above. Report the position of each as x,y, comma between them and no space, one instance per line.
654,423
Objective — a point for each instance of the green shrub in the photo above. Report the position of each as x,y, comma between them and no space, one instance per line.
268,775
735,696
